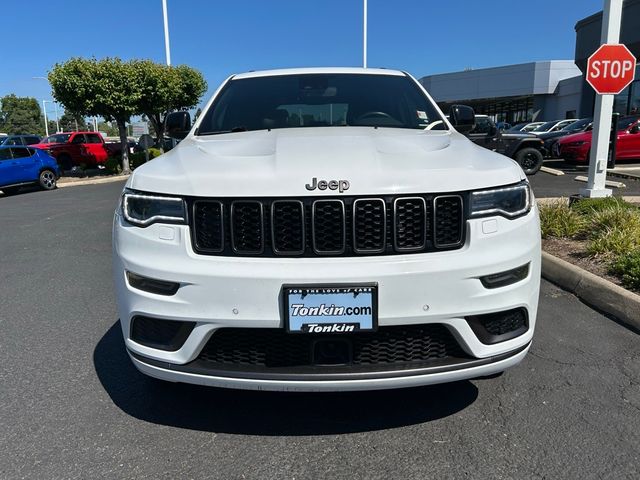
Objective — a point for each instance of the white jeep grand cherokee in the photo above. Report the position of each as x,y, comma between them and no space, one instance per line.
326,229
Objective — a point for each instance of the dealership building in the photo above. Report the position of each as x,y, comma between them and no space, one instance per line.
513,93
546,90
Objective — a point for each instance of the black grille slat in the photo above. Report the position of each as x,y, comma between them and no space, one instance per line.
247,227
209,225
287,227
448,221
312,226
410,227
369,225
274,348
328,227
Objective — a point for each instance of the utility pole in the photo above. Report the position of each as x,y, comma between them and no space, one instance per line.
55,104
166,32
46,122
364,37
611,19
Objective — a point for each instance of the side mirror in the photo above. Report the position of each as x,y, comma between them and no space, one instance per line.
177,124
635,129
463,118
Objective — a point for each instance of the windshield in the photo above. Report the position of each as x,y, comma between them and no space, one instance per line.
545,126
625,122
577,125
59,138
518,127
320,100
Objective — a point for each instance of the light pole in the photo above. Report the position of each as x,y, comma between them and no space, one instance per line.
44,107
364,37
46,122
166,32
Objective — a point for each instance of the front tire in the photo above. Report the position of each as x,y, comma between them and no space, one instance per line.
47,180
530,160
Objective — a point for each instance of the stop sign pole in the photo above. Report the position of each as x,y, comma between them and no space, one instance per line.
611,18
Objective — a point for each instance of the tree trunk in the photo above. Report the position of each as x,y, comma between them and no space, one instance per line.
124,145
158,127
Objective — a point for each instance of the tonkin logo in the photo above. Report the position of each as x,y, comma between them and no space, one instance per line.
340,185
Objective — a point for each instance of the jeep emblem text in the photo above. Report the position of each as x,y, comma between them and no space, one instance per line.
340,185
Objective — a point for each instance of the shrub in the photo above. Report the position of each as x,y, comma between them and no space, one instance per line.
138,158
557,219
620,216
587,206
616,241
627,267
113,165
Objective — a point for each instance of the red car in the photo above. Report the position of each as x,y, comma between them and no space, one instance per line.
575,148
76,148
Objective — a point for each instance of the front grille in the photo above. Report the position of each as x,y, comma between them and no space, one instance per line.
408,345
346,226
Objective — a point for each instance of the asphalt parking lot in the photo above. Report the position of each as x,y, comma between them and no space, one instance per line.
74,407
546,185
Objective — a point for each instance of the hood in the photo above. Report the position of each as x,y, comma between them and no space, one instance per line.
44,146
576,137
281,162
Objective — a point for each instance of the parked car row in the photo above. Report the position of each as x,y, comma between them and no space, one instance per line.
21,165
575,148
524,148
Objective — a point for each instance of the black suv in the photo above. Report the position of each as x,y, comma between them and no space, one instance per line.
8,140
524,148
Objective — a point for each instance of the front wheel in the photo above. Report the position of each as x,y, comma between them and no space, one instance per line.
530,160
47,180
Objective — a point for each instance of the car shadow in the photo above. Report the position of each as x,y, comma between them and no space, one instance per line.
267,413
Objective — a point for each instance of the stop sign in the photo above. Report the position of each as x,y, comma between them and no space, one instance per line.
611,68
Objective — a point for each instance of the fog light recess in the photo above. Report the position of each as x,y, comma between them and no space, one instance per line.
498,327
152,285
502,279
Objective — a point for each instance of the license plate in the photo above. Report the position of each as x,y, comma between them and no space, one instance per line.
331,308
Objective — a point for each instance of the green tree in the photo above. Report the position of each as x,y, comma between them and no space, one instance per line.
70,122
167,88
20,115
109,128
109,88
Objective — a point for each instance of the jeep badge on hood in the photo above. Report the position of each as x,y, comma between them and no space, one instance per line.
340,185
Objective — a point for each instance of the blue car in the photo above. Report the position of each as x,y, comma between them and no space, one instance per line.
20,166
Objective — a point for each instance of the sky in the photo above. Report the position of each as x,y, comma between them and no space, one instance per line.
220,38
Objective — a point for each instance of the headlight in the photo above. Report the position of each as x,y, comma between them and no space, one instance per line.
510,202
143,209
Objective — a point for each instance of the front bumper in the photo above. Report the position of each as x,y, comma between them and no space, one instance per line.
431,288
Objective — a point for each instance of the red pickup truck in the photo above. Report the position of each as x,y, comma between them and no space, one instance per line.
76,148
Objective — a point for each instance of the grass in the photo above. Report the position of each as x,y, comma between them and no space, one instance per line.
611,227
627,267
558,220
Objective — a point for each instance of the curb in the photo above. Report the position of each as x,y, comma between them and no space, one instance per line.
593,290
628,176
552,171
115,178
